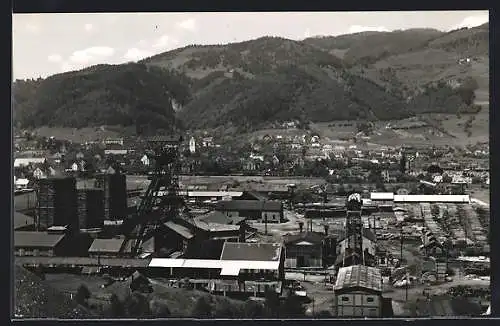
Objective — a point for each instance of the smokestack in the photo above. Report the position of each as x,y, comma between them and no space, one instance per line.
326,228
301,226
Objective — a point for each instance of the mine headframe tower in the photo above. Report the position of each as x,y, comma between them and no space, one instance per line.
161,201
353,254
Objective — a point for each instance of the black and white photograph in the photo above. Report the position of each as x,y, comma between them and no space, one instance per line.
251,165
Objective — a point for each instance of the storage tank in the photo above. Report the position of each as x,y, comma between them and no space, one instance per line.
90,209
57,202
115,195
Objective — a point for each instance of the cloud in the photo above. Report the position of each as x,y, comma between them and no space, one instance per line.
32,28
65,67
88,27
472,21
54,58
135,54
165,41
187,24
92,54
358,29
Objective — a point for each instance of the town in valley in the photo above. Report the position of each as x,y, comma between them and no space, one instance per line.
225,212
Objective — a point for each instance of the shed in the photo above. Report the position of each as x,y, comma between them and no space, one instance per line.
37,243
109,247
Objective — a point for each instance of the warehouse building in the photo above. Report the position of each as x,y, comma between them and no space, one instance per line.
270,210
39,244
304,249
358,292
23,222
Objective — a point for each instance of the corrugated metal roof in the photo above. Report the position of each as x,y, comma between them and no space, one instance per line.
432,198
314,237
106,245
214,227
36,239
359,276
251,251
179,229
229,266
381,196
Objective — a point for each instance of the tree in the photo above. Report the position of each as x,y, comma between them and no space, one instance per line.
202,308
293,307
272,303
117,309
137,306
252,310
159,309
82,295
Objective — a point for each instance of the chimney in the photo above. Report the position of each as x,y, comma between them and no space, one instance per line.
301,226
326,229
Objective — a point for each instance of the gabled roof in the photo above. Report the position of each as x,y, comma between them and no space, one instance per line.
251,251
359,276
36,239
108,246
312,237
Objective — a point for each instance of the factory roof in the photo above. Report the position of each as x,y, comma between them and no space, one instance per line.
227,267
359,276
214,227
85,261
433,198
179,229
21,220
108,246
18,162
251,251
381,196
250,205
36,239
309,237
210,194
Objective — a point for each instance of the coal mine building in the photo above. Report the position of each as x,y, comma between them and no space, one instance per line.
103,248
39,244
358,292
261,210
304,249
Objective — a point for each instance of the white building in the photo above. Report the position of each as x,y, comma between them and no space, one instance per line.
192,145
145,160
18,162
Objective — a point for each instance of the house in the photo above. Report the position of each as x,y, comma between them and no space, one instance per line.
358,292
145,160
19,162
75,167
38,173
304,249
265,211
192,145
38,244
118,152
21,184
207,142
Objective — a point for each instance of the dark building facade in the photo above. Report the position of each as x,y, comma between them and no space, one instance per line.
57,203
114,186
90,209
270,210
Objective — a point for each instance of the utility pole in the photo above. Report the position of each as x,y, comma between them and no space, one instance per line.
401,238
406,286
265,221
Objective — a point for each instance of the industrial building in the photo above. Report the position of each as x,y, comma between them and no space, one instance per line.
57,203
114,187
90,209
23,222
309,249
39,244
106,248
358,292
264,211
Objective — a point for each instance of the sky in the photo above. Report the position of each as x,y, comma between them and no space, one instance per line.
47,44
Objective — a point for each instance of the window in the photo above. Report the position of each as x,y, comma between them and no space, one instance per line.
345,299
369,299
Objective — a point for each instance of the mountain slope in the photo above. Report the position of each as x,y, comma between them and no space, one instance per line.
130,94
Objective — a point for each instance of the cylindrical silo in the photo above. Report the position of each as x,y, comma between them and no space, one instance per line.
115,195
90,208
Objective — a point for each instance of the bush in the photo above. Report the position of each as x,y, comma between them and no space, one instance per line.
82,295
202,308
